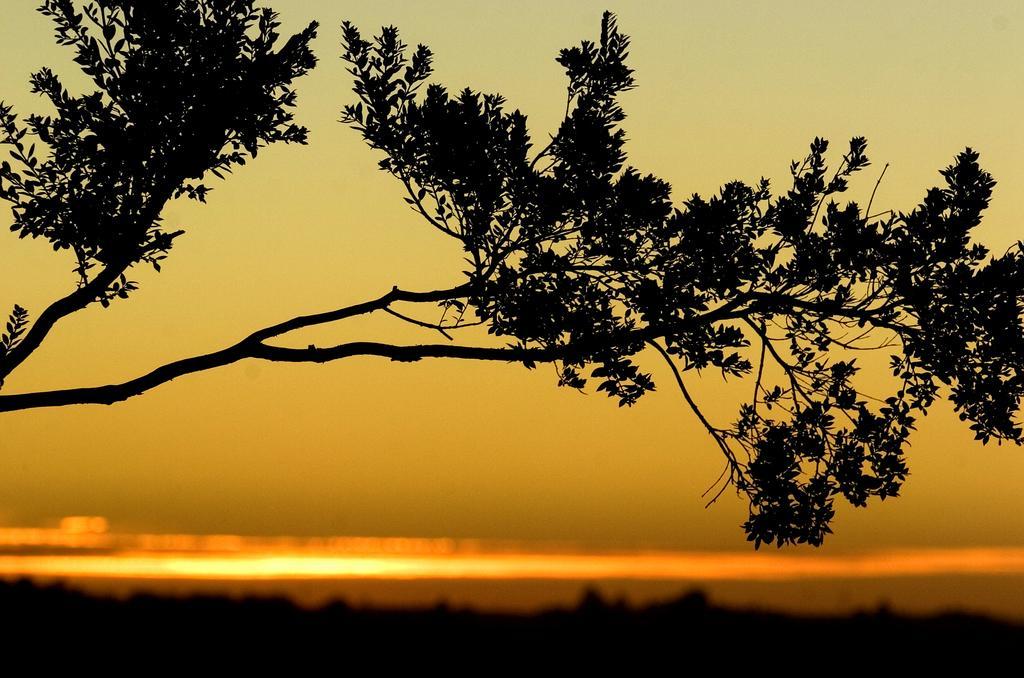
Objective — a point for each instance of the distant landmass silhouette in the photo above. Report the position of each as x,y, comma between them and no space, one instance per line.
594,630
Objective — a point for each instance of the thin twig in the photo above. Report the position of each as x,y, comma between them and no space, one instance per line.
420,323
715,433
872,199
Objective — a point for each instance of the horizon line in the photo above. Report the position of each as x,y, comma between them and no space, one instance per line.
83,548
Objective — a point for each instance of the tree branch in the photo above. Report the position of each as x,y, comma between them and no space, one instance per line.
65,306
253,346
357,309
108,395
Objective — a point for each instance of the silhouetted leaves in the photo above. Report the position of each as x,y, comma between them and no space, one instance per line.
573,250
184,88
16,324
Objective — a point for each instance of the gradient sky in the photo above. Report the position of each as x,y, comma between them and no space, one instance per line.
365,447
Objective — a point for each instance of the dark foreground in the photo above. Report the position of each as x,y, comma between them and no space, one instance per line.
595,631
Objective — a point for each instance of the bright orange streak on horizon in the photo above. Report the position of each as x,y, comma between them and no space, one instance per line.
231,557
676,566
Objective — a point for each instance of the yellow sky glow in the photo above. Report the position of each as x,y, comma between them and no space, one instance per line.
225,557
726,90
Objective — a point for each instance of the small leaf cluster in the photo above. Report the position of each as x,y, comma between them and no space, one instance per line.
16,324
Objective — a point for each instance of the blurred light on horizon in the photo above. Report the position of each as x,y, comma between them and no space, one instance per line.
84,547
84,524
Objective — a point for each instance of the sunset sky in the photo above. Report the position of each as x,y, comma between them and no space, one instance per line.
364,447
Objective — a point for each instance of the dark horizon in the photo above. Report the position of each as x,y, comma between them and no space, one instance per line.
597,627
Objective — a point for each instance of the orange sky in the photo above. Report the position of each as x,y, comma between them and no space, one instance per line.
365,447
509,575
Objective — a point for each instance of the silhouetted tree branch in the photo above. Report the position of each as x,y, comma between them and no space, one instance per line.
574,257
184,89
571,247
